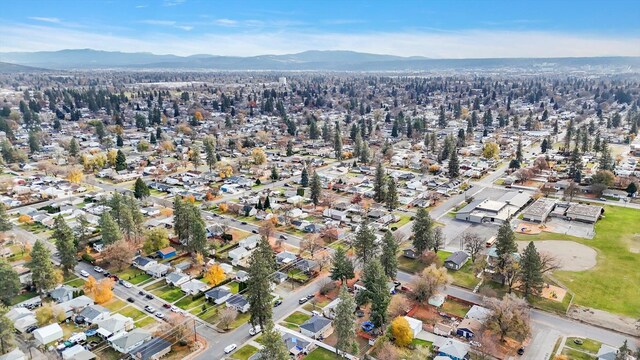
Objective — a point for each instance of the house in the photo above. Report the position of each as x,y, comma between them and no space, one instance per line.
316,327
157,270
218,294
242,276
335,214
238,302
415,325
129,341
75,305
62,293
468,328
153,349
193,287
249,242
285,257
114,325
77,352
15,354
166,253
177,278
307,265
94,313
479,313
410,253
484,210
279,277
23,323
48,334
437,300
617,194
456,260
143,262
295,345
607,352
451,348
442,329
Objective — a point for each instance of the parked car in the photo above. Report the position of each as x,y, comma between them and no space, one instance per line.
277,303
166,306
30,329
149,309
149,296
367,326
255,330
159,315
244,223
230,348
254,231
521,351
98,269
283,237
303,300
130,299
106,274
127,284
174,308
140,292
310,296
84,273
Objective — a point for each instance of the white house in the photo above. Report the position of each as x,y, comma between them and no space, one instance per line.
129,341
415,325
48,334
193,287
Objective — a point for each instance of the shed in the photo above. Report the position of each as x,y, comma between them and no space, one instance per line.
415,325
166,253
48,334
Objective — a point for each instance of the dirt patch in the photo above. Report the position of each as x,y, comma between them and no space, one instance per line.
553,292
607,320
571,255
634,244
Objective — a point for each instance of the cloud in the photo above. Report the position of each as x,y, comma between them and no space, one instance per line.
226,22
158,22
141,6
462,44
46,19
173,2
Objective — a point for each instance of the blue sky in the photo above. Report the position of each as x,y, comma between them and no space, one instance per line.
438,29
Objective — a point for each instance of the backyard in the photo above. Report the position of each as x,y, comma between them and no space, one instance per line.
612,284
244,352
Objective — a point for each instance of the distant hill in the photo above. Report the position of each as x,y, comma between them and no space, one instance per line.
15,68
308,60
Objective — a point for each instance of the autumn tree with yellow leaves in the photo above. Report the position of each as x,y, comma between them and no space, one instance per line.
75,175
258,155
214,275
401,331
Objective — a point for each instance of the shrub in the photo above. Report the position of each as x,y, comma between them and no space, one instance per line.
88,258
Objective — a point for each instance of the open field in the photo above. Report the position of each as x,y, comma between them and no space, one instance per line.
613,283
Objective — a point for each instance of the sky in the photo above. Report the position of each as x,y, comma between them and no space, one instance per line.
435,29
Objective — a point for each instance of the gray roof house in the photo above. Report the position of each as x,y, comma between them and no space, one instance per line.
130,340
295,345
607,352
307,265
456,260
151,350
193,287
218,295
62,293
316,327
176,278
93,313
238,302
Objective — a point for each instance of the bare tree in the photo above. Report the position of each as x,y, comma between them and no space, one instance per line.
176,328
311,243
509,317
473,244
388,351
227,316
548,262
571,190
428,282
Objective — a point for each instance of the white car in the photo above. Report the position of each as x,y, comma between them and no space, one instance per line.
84,273
230,348
175,308
98,269
255,330
127,284
159,315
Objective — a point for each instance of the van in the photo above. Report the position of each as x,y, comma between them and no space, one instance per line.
490,242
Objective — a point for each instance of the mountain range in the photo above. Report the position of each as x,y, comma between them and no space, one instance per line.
304,61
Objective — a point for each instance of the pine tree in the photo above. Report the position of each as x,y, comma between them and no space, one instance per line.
442,119
606,162
531,281
73,147
365,153
345,322
121,161
304,177
274,173
357,145
43,274
391,196
519,151
376,291
422,231
65,244
119,141
316,188
210,151
379,184
389,257
194,156
10,285
267,203
261,265
454,165
5,223
337,142
274,347
505,244
109,229
341,266
289,148
365,244
7,337
140,189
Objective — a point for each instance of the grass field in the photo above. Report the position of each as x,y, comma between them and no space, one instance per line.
613,283
244,352
22,297
133,275
297,318
77,283
588,345
240,320
132,312
320,354
169,293
156,285
145,321
114,304
577,355
187,302
455,308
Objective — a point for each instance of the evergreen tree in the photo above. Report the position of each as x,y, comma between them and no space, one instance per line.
316,188
364,244
109,229
314,132
505,244
34,142
65,244
395,130
365,153
10,285
391,196
152,139
337,142
544,146
194,156
345,323
623,352
5,223
261,266
606,162
7,337
119,141
341,266
454,165
357,145
73,148
376,291
389,257
519,151
121,161
304,177
531,281
210,152
422,231
289,148
274,173
140,189
43,274
274,347
379,184
442,119
267,203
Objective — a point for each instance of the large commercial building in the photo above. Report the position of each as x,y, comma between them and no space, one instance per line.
494,211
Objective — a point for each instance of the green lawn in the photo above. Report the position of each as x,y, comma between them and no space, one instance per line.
577,355
613,283
187,302
297,318
22,297
132,312
240,320
77,283
420,342
320,354
463,277
411,266
114,304
233,286
245,352
588,345
210,315
455,308
156,285
169,293
297,274
133,275
145,321
404,219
